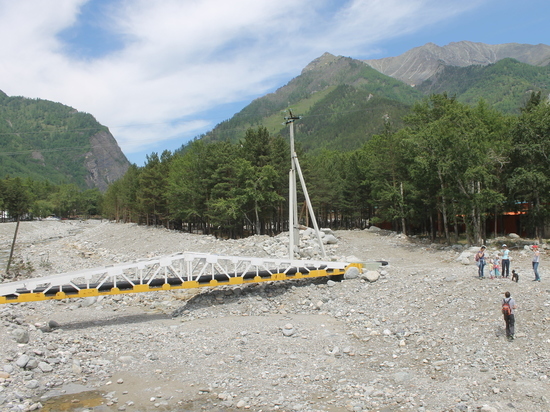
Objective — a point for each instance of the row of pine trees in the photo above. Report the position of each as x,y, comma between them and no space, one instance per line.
450,169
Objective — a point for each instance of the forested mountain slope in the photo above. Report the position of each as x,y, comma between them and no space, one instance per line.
345,101
43,140
505,85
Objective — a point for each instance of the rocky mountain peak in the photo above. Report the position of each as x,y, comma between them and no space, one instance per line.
105,161
321,61
420,63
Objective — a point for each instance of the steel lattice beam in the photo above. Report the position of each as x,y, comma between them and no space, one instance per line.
178,271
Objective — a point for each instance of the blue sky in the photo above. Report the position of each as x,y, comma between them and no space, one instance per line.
160,72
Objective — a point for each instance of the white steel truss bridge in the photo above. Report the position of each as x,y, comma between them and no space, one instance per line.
178,271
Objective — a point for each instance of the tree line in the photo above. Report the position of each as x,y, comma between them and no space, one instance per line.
444,174
36,199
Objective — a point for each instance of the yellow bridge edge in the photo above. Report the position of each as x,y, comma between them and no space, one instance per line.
83,293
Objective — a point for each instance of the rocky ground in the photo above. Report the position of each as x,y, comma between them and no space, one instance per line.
426,336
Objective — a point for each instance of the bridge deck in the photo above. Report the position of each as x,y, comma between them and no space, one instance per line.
179,271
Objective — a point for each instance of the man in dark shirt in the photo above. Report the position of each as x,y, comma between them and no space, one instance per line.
509,318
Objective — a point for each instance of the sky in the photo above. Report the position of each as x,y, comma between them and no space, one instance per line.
159,73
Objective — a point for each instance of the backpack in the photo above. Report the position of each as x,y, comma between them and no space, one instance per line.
506,309
477,257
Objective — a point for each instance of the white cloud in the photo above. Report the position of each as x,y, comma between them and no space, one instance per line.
181,58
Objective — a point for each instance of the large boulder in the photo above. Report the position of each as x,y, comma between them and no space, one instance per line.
464,257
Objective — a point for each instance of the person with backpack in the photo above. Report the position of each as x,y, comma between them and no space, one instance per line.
480,261
508,307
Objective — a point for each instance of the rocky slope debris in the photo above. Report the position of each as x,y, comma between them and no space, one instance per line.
420,334
421,63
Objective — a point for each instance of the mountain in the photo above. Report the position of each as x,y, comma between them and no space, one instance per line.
343,100
419,64
41,139
506,85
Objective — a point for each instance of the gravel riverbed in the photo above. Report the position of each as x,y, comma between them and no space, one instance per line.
427,335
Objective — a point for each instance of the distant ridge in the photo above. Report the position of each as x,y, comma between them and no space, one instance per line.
421,63
344,101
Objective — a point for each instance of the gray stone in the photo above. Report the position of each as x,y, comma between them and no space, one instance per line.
32,384
372,275
23,360
45,328
330,240
352,273
288,330
21,335
53,324
31,364
45,367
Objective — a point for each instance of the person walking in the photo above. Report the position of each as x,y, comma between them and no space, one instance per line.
508,308
536,261
480,261
505,261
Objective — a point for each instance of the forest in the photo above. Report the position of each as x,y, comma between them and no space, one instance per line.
447,171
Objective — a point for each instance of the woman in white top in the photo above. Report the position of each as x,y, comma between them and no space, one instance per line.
536,261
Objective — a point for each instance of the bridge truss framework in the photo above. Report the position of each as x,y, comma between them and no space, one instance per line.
178,271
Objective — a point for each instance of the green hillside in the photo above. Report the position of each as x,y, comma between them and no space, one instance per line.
342,100
44,140
346,119
505,85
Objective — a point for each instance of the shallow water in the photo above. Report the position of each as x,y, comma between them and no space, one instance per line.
78,402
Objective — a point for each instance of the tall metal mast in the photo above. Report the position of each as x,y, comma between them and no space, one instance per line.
293,227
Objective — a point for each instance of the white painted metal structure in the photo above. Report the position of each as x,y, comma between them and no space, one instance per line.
178,271
293,197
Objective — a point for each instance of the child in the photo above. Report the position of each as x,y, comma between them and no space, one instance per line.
496,266
491,269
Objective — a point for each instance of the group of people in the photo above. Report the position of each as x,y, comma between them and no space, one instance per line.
508,303
496,261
